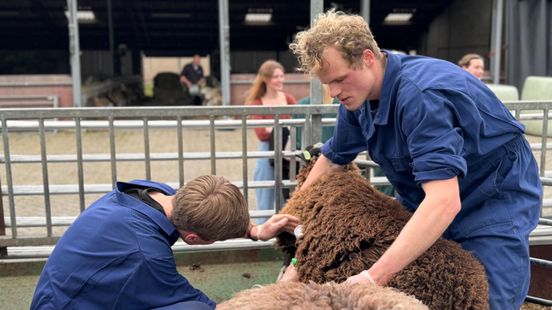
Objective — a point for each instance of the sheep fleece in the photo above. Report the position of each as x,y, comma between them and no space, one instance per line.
312,296
348,225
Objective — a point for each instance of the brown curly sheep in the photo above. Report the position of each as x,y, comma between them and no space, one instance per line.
312,296
347,225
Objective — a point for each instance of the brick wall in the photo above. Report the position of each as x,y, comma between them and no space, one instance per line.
38,85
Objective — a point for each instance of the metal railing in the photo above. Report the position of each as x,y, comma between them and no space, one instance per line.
42,122
178,119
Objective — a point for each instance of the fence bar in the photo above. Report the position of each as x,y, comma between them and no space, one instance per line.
293,144
213,146
244,157
3,249
80,170
180,151
544,140
45,181
112,152
9,180
316,131
277,136
147,149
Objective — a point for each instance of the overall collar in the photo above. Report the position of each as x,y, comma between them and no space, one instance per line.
157,217
391,74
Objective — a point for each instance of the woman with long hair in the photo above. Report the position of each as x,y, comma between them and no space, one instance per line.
267,89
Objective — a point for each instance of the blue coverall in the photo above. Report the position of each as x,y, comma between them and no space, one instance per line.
117,255
435,121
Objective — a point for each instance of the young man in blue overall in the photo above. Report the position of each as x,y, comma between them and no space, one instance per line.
456,156
117,254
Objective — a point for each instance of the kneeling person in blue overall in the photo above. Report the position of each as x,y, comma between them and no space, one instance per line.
454,153
117,254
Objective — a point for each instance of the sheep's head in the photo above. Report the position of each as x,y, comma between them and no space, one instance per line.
309,157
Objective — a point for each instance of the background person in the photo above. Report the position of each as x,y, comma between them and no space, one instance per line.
117,254
192,76
474,64
454,153
267,90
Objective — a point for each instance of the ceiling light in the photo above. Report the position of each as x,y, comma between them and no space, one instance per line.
84,17
258,16
397,19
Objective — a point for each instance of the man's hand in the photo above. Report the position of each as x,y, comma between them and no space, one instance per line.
361,278
290,275
275,225
185,81
322,166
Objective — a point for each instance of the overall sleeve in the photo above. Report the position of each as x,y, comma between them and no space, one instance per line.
347,140
435,141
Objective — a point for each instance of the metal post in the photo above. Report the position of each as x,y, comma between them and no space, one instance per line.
316,7
224,46
111,38
365,10
3,250
496,40
74,52
313,135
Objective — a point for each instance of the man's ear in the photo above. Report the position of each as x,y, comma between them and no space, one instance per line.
368,57
191,238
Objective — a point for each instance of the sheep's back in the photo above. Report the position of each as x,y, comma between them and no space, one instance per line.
347,227
328,296
445,276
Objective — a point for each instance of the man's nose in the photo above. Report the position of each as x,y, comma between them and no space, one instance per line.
334,91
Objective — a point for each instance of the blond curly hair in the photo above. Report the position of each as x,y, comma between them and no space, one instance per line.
349,34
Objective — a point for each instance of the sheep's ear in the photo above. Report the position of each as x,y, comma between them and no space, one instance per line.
310,152
305,156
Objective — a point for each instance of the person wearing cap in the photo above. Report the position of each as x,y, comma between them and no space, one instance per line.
456,156
117,254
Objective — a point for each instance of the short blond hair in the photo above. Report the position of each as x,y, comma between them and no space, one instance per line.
212,207
349,34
